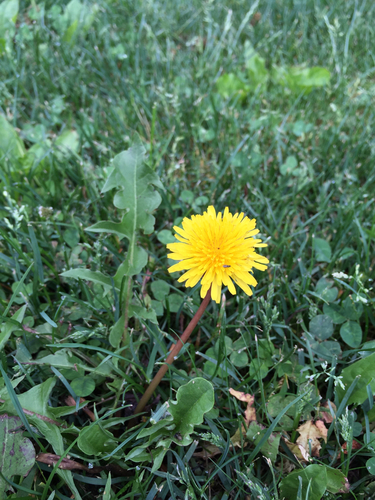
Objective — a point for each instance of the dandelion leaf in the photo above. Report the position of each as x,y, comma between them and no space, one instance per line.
18,453
133,264
36,400
96,441
193,400
136,195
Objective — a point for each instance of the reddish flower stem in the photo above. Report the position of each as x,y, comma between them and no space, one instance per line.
172,355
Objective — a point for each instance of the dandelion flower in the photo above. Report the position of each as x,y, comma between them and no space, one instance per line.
217,249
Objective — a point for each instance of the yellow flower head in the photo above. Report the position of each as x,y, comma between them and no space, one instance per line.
217,249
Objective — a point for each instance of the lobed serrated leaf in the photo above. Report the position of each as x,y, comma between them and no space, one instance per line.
17,452
136,195
96,441
193,400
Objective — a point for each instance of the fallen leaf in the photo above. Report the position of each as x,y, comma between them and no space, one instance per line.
287,465
51,460
69,401
250,415
310,434
326,416
346,488
208,451
319,424
67,464
355,446
236,438
298,450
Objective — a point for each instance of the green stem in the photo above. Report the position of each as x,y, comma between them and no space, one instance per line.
152,135
128,288
172,355
295,425
127,299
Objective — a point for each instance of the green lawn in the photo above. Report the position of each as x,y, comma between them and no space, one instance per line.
266,108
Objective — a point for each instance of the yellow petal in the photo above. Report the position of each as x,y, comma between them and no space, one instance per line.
229,283
211,211
253,232
180,238
246,278
208,277
181,232
216,290
215,293
193,280
260,258
244,286
179,247
181,266
261,267
204,290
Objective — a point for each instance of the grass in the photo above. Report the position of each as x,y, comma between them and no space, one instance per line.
75,99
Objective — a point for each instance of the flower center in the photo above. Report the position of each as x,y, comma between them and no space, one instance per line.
215,257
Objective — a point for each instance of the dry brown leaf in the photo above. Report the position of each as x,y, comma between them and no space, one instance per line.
319,424
242,396
51,460
346,488
355,446
250,415
208,451
326,415
69,401
288,466
298,450
236,438
310,432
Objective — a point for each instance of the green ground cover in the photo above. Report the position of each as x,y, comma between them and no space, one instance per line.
264,107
